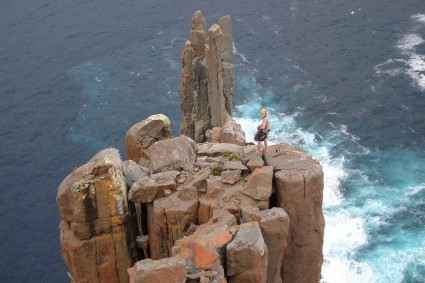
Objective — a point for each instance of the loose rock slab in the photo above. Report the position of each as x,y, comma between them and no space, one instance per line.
247,255
150,188
175,154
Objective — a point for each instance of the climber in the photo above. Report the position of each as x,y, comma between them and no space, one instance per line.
262,132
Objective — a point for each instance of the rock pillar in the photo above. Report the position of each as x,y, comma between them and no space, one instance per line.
207,77
299,190
96,238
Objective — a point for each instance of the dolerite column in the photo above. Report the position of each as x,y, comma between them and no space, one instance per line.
187,89
299,190
95,233
214,58
194,87
225,24
207,77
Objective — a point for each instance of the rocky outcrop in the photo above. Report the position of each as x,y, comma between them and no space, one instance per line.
97,242
208,82
204,210
214,189
299,190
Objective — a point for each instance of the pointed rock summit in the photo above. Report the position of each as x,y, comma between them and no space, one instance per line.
208,82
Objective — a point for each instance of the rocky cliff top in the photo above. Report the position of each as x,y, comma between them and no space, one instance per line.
201,207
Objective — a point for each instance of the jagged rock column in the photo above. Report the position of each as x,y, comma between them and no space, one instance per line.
225,24
207,77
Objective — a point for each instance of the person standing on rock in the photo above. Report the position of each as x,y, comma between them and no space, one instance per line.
262,132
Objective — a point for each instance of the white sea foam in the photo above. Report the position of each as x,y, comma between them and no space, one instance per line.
343,232
416,190
344,129
414,65
417,69
236,52
409,41
343,235
419,18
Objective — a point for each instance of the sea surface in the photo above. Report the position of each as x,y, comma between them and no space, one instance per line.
342,79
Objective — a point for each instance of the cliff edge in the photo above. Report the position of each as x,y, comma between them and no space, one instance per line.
200,207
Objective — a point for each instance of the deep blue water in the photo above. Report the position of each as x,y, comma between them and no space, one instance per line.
343,79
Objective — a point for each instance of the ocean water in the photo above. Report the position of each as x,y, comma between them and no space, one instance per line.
343,79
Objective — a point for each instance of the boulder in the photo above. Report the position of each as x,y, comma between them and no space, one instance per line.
143,134
299,190
150,188
225,196
198,180
234,165
172,155
231,132
208,243
95,228
133,172
214,273
231,176
222,215
255,163
249,152
274,225
260,184
247,255
172,269
167,219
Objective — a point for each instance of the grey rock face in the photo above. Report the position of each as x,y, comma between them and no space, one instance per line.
133,172
172,155
208,81
152,187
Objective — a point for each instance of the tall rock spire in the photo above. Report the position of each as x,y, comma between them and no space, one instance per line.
207,78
